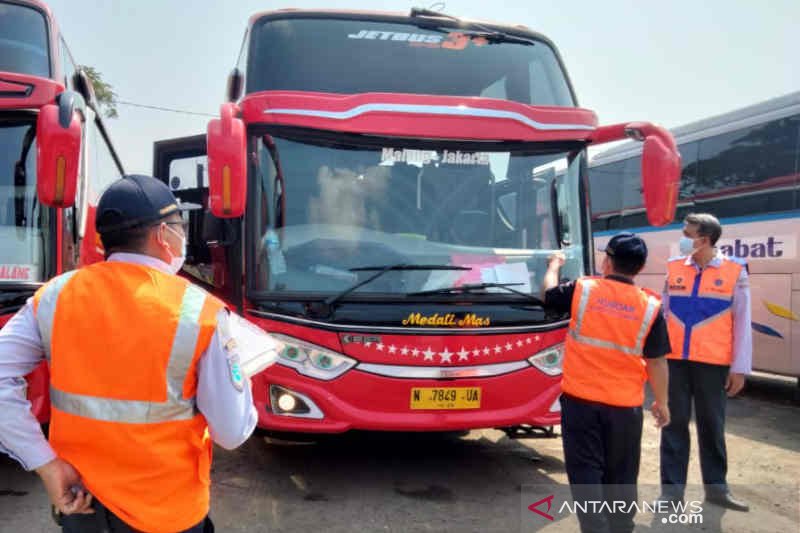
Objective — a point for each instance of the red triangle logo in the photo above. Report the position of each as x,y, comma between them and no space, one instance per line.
533,507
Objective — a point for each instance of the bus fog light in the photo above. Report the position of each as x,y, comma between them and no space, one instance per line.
286,402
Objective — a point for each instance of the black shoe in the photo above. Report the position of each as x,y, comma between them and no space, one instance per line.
669,499
726,500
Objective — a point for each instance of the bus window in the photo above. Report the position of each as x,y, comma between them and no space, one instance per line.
23,224
752,170
67,64
23,48
188,179
616,191
532,74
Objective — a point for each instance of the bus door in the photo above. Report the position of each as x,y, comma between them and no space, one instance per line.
211,245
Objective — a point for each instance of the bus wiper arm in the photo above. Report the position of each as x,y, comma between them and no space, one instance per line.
380,271
421,12
471,287
492,36
498,37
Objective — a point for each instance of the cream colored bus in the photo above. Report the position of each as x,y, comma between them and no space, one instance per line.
743,167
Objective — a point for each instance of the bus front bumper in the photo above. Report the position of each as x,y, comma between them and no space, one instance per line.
360,400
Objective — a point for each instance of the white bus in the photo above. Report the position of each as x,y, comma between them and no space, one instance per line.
743,167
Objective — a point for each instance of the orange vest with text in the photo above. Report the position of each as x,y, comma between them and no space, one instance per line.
123,342
700,321
603,354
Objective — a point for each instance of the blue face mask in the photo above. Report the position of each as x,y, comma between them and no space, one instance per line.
686,245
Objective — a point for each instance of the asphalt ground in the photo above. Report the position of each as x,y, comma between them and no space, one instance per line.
476,481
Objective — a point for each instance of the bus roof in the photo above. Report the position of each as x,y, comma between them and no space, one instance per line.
771,109
376,13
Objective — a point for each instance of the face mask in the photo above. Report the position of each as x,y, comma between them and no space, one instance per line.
686,245
176,263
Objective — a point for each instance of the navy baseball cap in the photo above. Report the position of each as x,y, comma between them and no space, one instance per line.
135,201
626,246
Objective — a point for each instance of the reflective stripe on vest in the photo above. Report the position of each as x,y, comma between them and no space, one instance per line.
700,319
46,309
649,315
135,411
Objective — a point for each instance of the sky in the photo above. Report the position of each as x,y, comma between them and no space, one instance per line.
666,62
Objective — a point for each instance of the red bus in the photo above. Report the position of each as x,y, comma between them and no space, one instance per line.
55,158
381,193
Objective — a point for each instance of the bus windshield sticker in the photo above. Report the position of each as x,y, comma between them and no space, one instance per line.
470,320
451,41
424,157
18,273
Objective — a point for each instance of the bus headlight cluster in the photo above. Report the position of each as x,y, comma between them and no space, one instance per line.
311,360
549,360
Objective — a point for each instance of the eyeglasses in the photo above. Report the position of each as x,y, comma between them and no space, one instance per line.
183,224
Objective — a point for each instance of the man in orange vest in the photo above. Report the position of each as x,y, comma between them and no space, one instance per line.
617,340
707,302
144,374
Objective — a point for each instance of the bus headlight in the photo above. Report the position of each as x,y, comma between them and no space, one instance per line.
311,360
549,360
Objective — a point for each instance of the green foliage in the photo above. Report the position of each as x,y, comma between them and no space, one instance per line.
104,92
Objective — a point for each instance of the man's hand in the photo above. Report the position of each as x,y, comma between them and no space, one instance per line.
550,279
661,414
556,261
734,384
63,485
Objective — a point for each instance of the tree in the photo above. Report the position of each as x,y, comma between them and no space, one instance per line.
104,92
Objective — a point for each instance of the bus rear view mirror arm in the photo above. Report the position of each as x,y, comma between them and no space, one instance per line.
661,165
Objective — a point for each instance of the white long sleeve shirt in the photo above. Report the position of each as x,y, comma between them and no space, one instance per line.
229,411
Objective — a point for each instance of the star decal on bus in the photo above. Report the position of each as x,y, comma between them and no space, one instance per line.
446,356
465,352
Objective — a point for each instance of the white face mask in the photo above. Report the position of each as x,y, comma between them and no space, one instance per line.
176,263
686,245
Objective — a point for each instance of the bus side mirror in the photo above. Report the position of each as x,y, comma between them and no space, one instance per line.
661,171
227,163
58,150
235,85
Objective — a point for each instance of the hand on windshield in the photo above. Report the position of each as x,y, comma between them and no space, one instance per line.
556,261
554,264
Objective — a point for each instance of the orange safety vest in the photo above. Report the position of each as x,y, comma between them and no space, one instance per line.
123,342
607,331
700,321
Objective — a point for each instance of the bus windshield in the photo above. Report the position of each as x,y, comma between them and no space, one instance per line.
21,216
349,56
23,41
325,208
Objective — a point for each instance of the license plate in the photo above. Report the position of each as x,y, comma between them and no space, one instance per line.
445,398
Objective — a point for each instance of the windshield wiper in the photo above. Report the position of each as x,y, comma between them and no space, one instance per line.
491,35
472,287
421,12
381,270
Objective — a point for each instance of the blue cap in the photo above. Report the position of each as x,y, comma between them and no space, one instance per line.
135,201
626,246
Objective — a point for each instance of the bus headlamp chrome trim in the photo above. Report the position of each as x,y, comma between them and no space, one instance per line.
438,372
310,359
550,360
